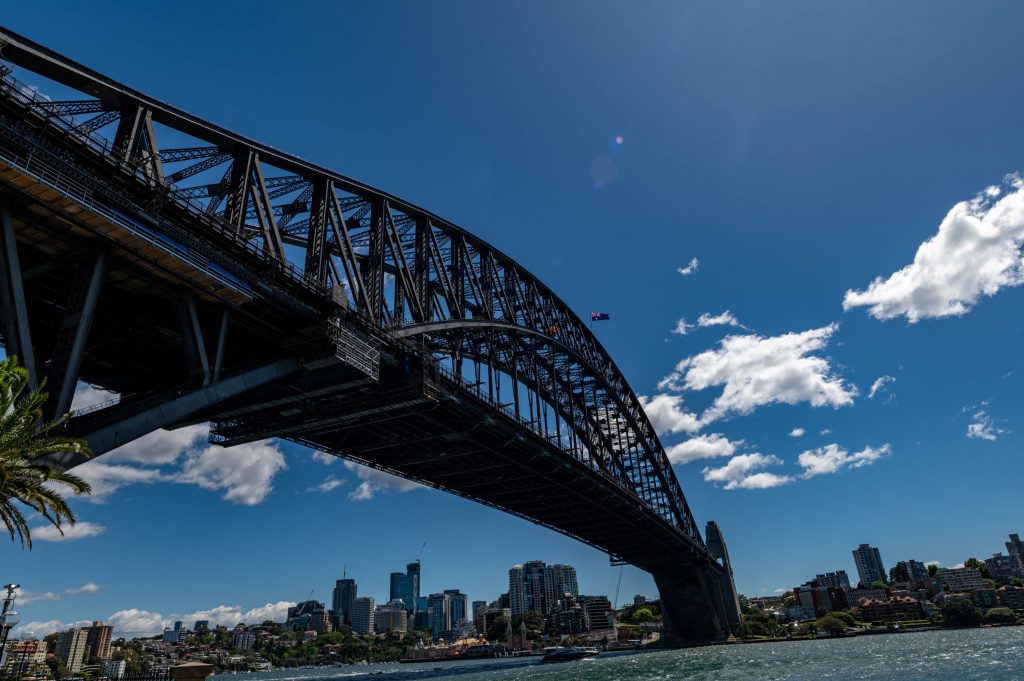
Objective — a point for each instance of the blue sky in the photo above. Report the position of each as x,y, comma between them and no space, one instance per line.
799,151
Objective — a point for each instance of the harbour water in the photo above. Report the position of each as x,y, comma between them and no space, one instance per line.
958,655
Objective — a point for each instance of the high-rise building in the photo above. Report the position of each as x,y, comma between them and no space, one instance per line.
516,591
201,626
414,570
869,565
1003,568
458,607
1015,547
439,614
99,639
564,581
479,608
405,587
115,669
175,635
362,613
342,599
598,612
308,616
392,617
913,572
960,579
834,580
71,647
243,639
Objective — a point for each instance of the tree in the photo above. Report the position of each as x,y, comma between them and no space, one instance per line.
25,438
979,566
932,569
846,617
960,613
832,625
1000,616
879,584
534,622
641,615
498,629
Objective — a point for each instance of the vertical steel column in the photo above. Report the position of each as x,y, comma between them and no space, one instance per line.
17,330
66,363
375,265
222,338
317,252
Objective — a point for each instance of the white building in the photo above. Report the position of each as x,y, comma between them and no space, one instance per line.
71,646
114,669
243,639
363,610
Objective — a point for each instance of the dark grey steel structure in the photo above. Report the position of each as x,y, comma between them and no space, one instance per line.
202,276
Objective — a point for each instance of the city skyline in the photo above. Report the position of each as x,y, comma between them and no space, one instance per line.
746,242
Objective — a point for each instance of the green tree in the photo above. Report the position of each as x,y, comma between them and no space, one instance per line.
534,622
498,629
641,615
932,569
960,613
831,625
1000,616
879,584
25,438
846,616
979,566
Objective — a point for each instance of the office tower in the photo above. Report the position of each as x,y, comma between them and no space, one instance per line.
201,626
99,639
439,614
308,616
71,647
479,608
458,607
564,581
869,565
414,570
342,599
516,591
243,639
363,610
405,587
913,572
392,617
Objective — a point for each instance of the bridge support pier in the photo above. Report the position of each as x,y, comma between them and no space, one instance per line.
12,297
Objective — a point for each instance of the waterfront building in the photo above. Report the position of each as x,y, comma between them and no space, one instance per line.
22,656
392,617
869,565
71,648
597,611
362,614
492,613
341,600
566,617
479,608
1015,547
243,639
1003,568
439,614
564,581
890,610
1011,597
960,579
985,598
835,580
99,640
115,669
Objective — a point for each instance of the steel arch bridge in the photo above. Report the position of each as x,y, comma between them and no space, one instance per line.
202,276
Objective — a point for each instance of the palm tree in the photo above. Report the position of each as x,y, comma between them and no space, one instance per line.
24,440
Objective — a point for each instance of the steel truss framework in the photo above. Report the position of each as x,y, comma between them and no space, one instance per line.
405,275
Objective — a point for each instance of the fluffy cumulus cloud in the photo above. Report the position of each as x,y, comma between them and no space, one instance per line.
975,253
136,622
80,530
668,415
709,446
983,427
244,473
831,458
86,589
323,457
744,472
880,383
753,370
374,481
690,268
797,432
41,628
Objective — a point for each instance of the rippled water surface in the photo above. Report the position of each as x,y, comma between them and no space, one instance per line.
989,654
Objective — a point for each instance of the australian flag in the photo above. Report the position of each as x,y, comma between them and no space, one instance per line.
599,316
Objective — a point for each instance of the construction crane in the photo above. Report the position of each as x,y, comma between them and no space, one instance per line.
420,554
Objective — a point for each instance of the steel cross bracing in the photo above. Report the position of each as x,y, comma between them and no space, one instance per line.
407,274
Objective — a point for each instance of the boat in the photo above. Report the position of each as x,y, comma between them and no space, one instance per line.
568,654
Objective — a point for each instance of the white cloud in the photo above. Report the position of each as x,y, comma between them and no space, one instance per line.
161,446
323,457
832,457
755,371
880,384
86,589
40,629
682,327
374,481
826,431
983,427
932,562
690,268
245,472
668,416
80,530
106,479
975,253
797,432
88,396
726,318
136,622
701,447
24,597
740,473
327,485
